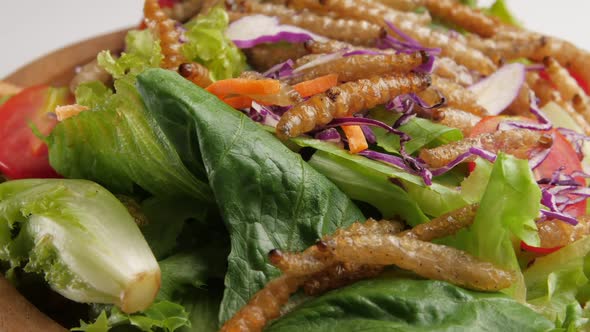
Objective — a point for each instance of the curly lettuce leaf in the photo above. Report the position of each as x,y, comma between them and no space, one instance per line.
555,281
208,45
410,305
508,208
142,51
118,145
268,196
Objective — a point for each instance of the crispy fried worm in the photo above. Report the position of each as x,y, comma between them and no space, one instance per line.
356,67
455,118
568,87
347,99
264,56
556,233
461,15
517,142
166,30
371,11
358,32
456,96
264,306
183,10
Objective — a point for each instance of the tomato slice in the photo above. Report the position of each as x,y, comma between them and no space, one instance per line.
538,250
22,154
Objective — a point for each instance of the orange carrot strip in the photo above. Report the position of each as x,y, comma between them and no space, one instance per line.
316,85
356,138
242,86
238,102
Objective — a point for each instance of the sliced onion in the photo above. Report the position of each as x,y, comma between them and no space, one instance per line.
325,58
281,70
498,91
253,30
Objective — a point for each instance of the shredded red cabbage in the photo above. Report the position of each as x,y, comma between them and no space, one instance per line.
263,114
362,52
329,135
538,158
543,125
408,45
369,135
535,67
281,70
576,139
408,164
358,121
560,216
463,157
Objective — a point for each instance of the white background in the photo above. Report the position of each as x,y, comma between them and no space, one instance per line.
31,28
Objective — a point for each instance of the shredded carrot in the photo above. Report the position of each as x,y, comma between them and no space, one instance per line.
238,102
242,86
356,138
316,85
68,111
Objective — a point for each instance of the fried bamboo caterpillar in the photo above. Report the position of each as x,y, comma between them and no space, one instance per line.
338,276
556,233
443,226
522,102
165,28
183,10
264,306
356,67
359,32
347,99
470,19
403,5
264,56
518,142
568,87
456,96
371,11
447,68
424,258
456,118
196,73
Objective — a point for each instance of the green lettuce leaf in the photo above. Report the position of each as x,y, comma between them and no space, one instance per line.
4,99
141,51
508,208
432,200
410,305
500,10
92,94
268,196
555,281
208,45
161,316
424,133
119,146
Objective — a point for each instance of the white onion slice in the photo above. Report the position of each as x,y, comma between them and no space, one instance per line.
498,91
258,29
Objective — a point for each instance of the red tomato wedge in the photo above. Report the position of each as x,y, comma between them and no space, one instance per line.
22,154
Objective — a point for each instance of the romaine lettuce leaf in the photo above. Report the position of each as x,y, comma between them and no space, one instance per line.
208,45
410,305
119,146
268,196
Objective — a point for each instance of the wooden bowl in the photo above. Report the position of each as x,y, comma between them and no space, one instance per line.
56,68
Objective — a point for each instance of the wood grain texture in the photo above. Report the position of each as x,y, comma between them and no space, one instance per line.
58,68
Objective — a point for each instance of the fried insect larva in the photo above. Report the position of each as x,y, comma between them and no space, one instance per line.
358,32
347,99
456,96
522,103
462,15
88,73
183,10
443,226
330,46
264,306
264,56
518,142
196,73
447,68
371,11
356,67
567,86
166,30
451,46
556,233
403,5
426,259
456,118
338,276
315,258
